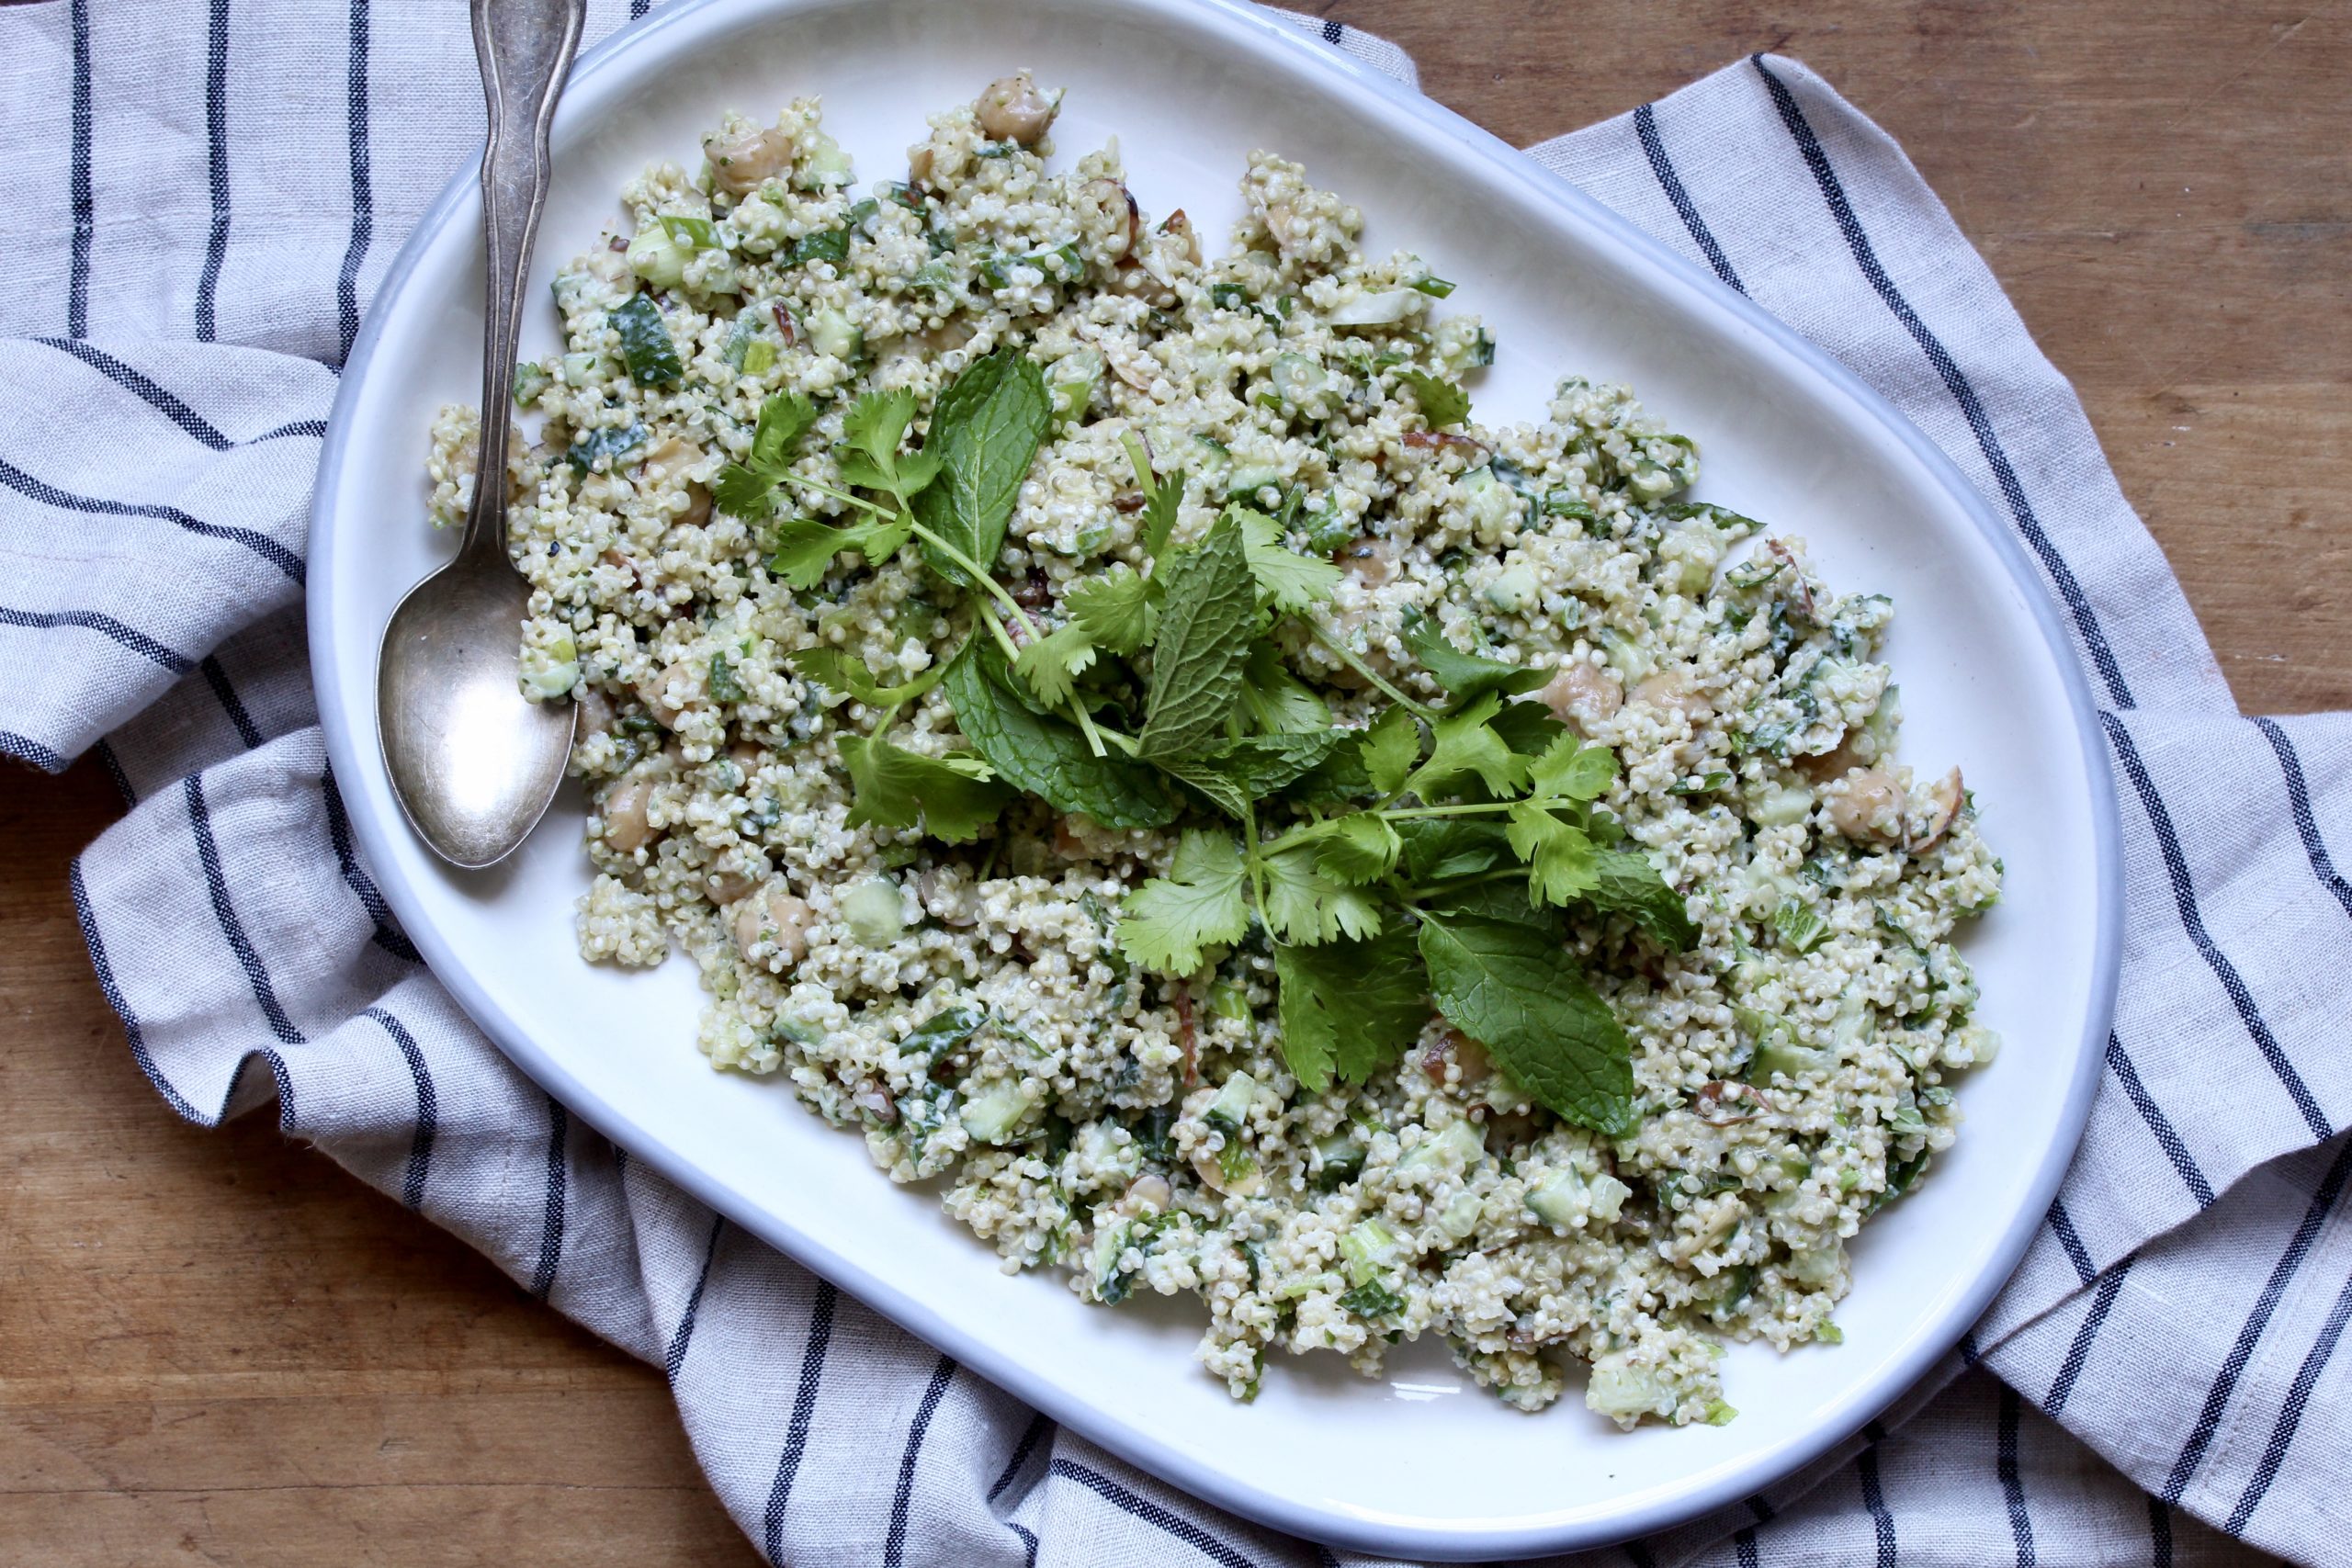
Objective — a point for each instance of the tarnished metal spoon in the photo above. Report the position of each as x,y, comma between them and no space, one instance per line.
473,762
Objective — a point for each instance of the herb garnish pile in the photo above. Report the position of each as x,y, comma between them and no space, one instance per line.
1422,858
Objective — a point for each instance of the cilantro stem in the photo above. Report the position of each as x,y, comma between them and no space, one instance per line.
805,483
1340,651
1251,859
1403,813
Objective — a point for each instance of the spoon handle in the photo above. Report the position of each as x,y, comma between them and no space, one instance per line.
526,48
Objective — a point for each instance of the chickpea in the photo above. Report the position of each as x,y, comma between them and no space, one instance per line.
740,162
669,460
1012,109
596,712
1867,806
1146,1194
775,917
1177,228
1371,561
726,886
1675,688
626,828
1582,694
668,692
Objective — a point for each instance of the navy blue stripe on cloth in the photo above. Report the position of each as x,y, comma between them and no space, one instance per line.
1028,1545
2005,1449
2299,802
2234,1365
2159,1126
674,1358
1151,1513
1638,1554
224,910
1030,1436
1743,1546
113,765
2290,1416
1971,407
1334,32
2062,1226
428,1107
2159,1533
2061,1387
363,188
804,1409
77,288
2192,920
25,749
216,137
138,642
112,991
1874,1496
894,1543
1654,149
551,1214
48,494
299,427
143,387
233,706
387,935
637,9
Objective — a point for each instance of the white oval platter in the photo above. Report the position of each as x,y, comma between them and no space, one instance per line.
1420,1464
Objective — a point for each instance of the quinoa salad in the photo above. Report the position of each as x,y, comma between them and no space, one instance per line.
1116,732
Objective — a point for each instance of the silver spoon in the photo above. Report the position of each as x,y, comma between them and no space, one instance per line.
473,762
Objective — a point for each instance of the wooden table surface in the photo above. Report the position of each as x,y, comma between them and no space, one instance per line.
217,1348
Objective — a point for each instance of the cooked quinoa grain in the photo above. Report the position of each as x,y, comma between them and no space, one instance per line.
1003,995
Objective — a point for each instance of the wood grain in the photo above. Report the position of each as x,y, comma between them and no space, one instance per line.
215,1347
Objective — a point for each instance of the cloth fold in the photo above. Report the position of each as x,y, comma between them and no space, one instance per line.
192,267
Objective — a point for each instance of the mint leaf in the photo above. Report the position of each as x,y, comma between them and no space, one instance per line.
1046,756
1463,743
1440,849
954,798
1287,579
1358,848
1467,675
1528,727
1206,620
1307,907
1350,1007
646,349
1052,664
1274,699
984,433
1572,770
1625,883
1115,609
833,668
1164,923
1511,988
1442,403
1562,861
1337,779
1233,773
1391,746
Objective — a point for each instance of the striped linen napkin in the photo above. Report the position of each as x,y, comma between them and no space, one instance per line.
198,216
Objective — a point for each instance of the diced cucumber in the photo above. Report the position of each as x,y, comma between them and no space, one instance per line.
822,163
1463,1141
1384,307
1460,1217
1339,1159
1491,505
1816,1266
1560,1199
1781,805
1296,379
1623,1391
1230,1109
1514,591
1070,381
992,1116
831,331
548,672
1369,1248
1778,1049
579,369
531,378
1246,483
656,257
1605,1198
873,912
1631,662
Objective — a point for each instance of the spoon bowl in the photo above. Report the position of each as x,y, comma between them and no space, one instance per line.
473,762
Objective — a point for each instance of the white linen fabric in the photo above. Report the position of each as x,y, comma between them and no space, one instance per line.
197,218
